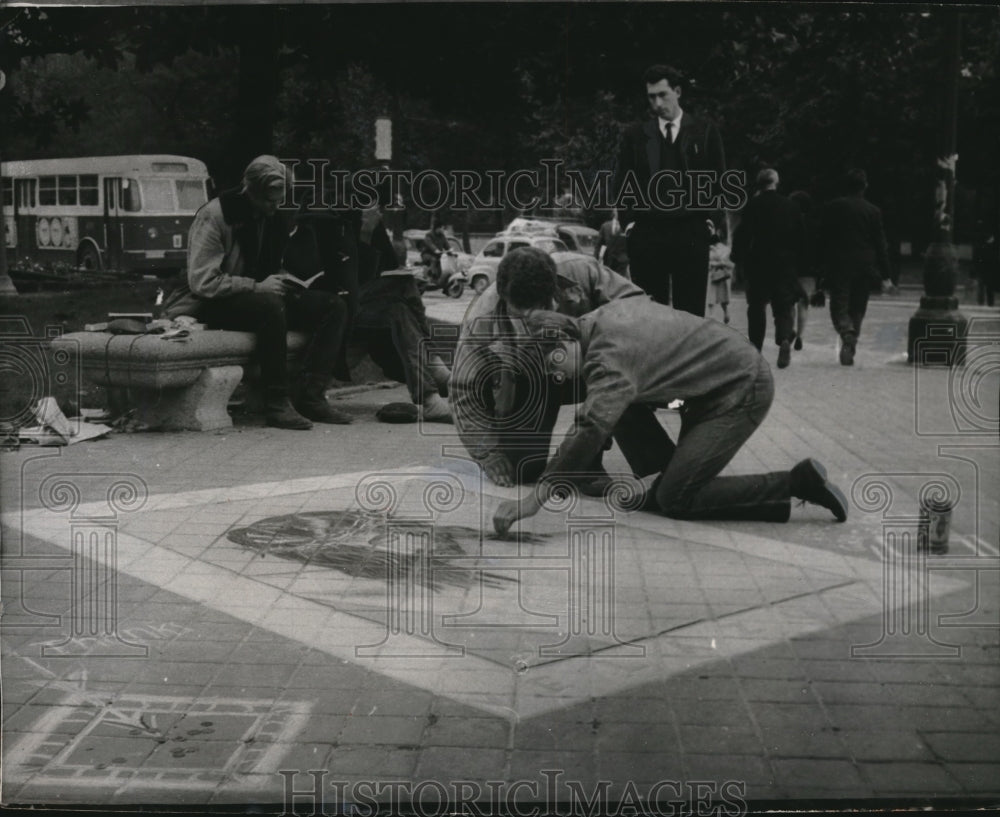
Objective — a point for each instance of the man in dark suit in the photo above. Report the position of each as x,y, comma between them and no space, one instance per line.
668,159
769,243
855,257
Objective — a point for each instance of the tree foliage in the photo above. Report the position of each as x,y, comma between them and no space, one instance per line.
810,89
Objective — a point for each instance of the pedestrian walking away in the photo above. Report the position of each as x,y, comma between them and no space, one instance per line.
770,243
856,259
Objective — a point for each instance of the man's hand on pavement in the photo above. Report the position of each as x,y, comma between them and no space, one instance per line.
511,510
499,469
272,285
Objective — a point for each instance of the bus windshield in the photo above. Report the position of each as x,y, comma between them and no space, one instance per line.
164,195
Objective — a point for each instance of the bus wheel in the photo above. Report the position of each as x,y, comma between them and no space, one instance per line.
90,259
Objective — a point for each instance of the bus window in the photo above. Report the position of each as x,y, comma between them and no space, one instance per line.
158,195
88,190
47,190
130,203
67,189
190,194
25,193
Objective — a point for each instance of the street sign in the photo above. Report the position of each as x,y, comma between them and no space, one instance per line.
383,139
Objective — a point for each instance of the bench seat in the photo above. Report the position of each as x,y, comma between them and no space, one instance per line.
171,385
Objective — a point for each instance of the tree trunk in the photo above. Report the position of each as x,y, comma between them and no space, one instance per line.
259,40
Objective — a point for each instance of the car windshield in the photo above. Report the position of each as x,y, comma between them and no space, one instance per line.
585,241
551,245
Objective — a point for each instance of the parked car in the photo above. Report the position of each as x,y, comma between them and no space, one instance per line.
578,237
413,240
483,271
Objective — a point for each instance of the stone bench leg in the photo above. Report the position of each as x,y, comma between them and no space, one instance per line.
198,407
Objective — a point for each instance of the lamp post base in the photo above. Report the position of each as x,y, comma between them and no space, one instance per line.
937,333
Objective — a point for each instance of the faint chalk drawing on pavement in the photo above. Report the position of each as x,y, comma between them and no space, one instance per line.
357,543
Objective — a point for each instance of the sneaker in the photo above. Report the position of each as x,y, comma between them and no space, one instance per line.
798,343
808,482
847,354
784,355
435,409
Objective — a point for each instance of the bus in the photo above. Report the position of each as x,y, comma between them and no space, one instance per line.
116,213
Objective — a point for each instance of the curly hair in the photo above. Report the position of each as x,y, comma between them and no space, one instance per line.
526,278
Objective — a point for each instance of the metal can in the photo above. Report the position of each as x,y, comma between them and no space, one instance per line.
935,525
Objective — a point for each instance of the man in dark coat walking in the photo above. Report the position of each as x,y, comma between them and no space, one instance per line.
855,256
666,160
769,243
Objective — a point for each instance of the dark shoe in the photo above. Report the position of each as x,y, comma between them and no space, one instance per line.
798,343
322,412
285,416
312,403
847,354
808,482
784,355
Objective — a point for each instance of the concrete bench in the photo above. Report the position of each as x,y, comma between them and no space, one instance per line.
172,385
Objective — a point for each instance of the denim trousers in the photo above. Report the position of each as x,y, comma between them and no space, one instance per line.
713,429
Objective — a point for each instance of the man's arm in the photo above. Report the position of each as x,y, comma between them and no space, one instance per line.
468,387
606,285
881,248
206,254
609,394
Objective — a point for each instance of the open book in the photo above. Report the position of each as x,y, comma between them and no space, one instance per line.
304,283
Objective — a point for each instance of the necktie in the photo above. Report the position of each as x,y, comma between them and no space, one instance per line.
668,133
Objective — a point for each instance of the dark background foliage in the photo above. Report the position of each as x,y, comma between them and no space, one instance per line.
811,90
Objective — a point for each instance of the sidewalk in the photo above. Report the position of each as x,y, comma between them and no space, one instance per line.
229,617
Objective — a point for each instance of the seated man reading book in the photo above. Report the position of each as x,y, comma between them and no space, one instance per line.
236,280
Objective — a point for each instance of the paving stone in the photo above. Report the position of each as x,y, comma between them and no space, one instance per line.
463,732
883,745
453,763
528,764
709,739
398,731
953,746
777,690
721,768
382,762
802,743
839,775
977,778
713,713
926,778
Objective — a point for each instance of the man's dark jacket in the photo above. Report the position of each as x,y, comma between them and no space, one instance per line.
852,240
698,146
770,239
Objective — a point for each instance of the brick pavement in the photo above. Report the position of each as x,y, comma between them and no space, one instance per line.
777,662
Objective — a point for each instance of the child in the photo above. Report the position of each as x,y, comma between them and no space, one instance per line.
720,272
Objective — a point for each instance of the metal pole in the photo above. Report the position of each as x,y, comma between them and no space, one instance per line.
6,283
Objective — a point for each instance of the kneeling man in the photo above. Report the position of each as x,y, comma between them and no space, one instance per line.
634,351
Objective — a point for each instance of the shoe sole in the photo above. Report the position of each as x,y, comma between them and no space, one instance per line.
832,489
